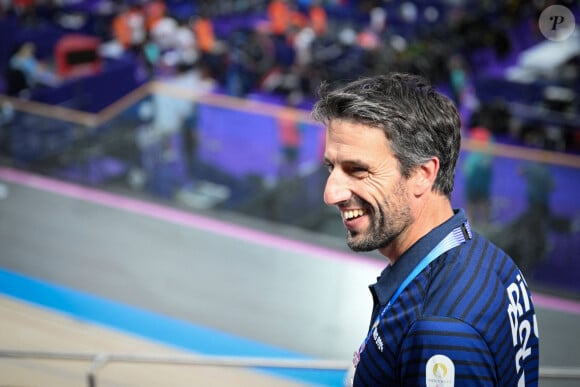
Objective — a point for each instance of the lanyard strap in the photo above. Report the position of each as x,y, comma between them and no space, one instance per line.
456,237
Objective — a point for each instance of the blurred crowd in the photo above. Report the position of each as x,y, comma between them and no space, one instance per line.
286,48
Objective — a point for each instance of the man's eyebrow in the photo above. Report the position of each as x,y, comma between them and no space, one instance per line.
357,162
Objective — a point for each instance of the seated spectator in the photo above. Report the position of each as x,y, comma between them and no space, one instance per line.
204,33
35,72
129,28
212,51
318,18
186,46
154,11
280,16
163,32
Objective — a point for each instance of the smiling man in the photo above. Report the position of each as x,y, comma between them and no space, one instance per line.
450,308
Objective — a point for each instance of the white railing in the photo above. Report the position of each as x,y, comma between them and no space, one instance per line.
99,360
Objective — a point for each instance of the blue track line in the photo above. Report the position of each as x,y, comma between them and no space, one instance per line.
139,322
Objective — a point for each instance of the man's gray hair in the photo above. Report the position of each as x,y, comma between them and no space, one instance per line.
419,122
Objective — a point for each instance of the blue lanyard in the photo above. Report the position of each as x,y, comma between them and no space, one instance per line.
456,237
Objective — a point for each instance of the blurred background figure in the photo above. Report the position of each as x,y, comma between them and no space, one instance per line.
279,14
457,79
130,28
478,172
526,238
27,72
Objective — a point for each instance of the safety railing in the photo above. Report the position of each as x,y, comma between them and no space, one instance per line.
98,361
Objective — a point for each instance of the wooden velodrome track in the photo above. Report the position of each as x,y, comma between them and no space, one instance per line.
88,271
26,327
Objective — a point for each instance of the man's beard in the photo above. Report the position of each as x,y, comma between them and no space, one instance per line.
381,232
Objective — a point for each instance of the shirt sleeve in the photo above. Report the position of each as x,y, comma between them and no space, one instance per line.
441,351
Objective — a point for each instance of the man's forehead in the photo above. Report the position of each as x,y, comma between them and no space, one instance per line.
352,127
352,137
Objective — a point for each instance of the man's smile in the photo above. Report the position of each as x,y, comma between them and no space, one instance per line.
352,214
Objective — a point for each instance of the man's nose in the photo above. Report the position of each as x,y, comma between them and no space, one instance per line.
336,190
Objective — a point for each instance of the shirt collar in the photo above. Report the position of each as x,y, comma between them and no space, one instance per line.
392,276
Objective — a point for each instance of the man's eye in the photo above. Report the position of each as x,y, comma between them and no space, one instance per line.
358,170
328,167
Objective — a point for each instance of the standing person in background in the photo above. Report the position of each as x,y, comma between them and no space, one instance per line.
291,141
526,238
457,79
450,307
478,172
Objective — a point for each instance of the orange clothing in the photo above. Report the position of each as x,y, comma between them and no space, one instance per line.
279,15
121,29
129,27
318,20
154,11
288,130
203,29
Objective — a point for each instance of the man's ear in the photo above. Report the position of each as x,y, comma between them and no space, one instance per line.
424,176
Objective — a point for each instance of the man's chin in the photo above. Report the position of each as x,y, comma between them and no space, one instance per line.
359,246
364,243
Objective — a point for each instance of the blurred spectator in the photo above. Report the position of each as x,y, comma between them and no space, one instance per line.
496,115
154,11
302,68
291,140
129,28
176,44
378,20
163,32
186,46
204,33
457,79
24,9
32,71
250,58
525,239
318,17
478,172
280,17
211,50
151,55
237,75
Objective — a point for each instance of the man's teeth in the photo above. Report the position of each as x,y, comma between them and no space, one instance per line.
350,214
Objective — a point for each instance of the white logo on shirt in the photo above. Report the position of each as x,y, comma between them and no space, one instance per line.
440,371
519,304
377,338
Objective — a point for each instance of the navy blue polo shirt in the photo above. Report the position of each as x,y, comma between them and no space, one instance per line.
466,319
